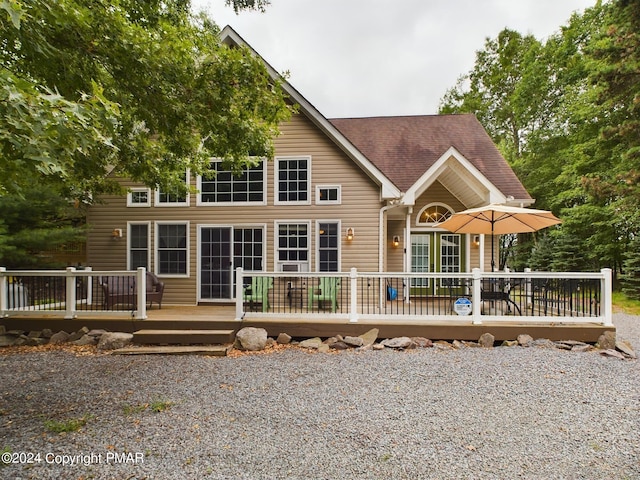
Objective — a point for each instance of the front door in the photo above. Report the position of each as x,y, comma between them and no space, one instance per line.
435,252
222,250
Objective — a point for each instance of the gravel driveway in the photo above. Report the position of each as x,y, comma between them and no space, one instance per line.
502,413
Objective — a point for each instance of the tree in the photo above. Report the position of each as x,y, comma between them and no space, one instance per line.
93,90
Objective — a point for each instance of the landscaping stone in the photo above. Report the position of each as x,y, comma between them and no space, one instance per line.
86,340
422,342
607,341
626,348
582,348
313,343
324,348
543,342
78,335
399,342
370,337
47,333
339,346
486,340
284,339
114,340
613,353
509,343
6,340
252,339
59,337
353,341
525,340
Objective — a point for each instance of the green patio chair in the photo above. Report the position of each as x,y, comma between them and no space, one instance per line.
258,291
327,291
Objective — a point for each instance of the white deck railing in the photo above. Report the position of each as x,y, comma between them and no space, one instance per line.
474,297
73,293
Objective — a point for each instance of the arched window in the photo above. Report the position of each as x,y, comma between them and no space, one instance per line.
433,214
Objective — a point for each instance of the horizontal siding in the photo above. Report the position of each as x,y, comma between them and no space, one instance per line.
329,165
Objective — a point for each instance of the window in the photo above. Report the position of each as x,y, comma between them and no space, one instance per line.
226,188
433,214
172,248
247,248
138,237
328,194
139,197
293,245
293,179
173,198
328,246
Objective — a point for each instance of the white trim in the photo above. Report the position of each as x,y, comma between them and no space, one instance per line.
317,243
200,203
130,202
277,264
484,188
388,189
149,235
276,180
156,265
432,204
319,201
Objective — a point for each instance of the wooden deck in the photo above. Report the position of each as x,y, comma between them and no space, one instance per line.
220,317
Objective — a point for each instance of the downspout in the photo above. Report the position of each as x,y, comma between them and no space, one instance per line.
381,240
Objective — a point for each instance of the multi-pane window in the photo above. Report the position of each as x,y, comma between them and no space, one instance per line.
138,197
293,244
226,187
247,248
138,245
420,258
172,248
328,194
433,214
173,197
293,179
328,246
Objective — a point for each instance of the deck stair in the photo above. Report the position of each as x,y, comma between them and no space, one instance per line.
183,337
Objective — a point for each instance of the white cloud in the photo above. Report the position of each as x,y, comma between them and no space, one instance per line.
353,58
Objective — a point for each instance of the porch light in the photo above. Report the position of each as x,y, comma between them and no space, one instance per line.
350,233
116,233
396,241
476,240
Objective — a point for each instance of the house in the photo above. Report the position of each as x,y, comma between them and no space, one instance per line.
340,193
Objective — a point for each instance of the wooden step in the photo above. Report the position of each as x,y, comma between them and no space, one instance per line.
183,337
210,350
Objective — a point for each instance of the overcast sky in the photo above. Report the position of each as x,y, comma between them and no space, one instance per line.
358,58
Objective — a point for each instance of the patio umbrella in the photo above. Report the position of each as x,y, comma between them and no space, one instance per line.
498,220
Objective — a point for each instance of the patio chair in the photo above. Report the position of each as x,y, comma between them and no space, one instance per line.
258,292
118,290
155,289
327,291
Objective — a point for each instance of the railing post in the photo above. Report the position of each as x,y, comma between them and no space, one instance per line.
70,297
239,293
89,282
141,294
606,296
476,297
353,291
4,291
528,291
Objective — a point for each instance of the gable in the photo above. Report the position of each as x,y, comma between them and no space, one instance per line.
409,150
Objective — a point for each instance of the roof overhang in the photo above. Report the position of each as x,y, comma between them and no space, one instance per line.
387,189
460,177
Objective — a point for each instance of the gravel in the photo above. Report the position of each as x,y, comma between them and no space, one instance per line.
533,413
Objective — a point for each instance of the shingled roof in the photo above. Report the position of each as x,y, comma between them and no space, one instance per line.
403,148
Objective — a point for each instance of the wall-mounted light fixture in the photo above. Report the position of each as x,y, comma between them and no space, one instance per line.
476,240
116,233
396,241
350,233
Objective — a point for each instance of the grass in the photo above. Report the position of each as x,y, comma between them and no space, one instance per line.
622,303
63,426
156,406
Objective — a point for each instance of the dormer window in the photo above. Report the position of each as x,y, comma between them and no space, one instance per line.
433,214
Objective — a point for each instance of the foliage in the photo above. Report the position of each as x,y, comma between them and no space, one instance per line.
631,277
565,113
93,90
64,426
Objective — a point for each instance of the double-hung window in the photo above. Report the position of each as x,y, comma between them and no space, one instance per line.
224,187
293,246
138,245
293,180
328,246
172,248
